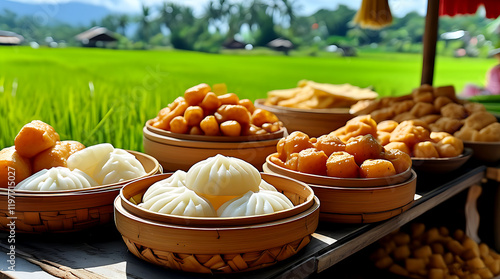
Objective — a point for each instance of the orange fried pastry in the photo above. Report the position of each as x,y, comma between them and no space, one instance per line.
399,146
34,138
342,164
195,95
383,137
13,167
453,110
441,101
233,112
230,128
446,124
261,116
420,109
56,156
329,144
489,133
293,143
312,161
411,132
364,147
449,146
479,120
425,149
399,159
373,168
359,126
387,126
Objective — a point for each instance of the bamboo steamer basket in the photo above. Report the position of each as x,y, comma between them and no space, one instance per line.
180,152
67,210
226,245
361,204
314,122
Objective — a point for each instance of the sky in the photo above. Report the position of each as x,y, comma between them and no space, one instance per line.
305,7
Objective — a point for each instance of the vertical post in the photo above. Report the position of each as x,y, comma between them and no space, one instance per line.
430,40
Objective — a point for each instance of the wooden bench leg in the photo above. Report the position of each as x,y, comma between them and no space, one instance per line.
471,213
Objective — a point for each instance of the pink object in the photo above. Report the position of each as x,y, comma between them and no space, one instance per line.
493,80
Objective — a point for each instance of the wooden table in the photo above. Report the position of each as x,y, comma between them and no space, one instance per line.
101,253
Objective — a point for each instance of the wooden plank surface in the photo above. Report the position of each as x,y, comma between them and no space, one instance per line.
101,253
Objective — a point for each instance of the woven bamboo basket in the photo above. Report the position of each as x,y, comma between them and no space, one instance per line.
314,122
64,211
180,152
203,245
362,204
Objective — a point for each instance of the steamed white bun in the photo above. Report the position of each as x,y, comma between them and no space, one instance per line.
88,158
223,176
179,201
174,183
262,202
120,166
55,179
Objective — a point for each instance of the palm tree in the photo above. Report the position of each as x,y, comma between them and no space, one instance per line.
145,24
123,21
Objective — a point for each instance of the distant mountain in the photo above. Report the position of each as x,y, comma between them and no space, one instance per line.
74,13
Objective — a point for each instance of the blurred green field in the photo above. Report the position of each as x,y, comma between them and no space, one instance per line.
101,95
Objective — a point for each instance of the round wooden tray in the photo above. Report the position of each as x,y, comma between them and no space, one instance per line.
441,165
484,151
364,204
216,249
276,135
150,164
179,154
314,122
301,195
270,167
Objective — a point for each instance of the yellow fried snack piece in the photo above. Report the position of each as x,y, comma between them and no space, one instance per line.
329,144
342,164
359,126
34,138
293,143
446,124
411,132
363,148
210,103
383,137
425,149
233,112
230,128
14,168
479,120
489,133
228,99
56,156
248,104
193,115
210,126
399,146
312,161
450,146
453,110
387,126
261,116
372,168
179,125
196,94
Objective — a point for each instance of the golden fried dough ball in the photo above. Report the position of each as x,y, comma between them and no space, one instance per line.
329,144
445,91
425,149
420,109
453,110
360,125
261,116
56,156
179,125
233,112
10,160
466,133
312,161
177,108
292,161
479,120
441,101
230,128
276,160
340,133
372,168
431,118
446,124
228,99
403,106
489,133
210,103
411,132
272,127
196,94
437,136
196,130
472,107
342,164
399,146
210,126
293,143
399,159
387,126
423,97
383,137
251,130
363,148
382,114
193,115
248,104
449,146
34,138
404,117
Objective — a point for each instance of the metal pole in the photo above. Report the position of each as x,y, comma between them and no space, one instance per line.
430,40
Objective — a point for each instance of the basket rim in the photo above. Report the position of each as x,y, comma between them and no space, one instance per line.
338,111
466,154
197,138
112,186
338,181
220,221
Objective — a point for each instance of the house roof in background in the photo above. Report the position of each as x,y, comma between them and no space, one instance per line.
96,33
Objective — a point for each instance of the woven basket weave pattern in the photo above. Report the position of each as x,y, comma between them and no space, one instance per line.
217,263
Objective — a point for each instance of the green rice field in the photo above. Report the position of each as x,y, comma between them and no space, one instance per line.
101,95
